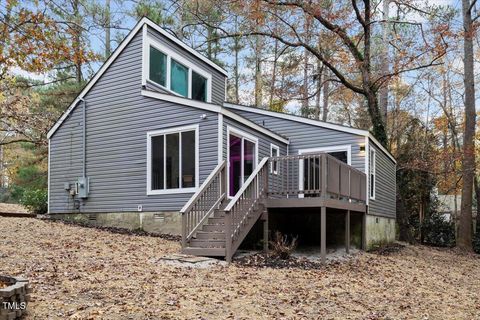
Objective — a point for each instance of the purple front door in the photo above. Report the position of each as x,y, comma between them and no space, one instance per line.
242,162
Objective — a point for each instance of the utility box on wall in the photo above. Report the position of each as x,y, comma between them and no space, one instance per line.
82,187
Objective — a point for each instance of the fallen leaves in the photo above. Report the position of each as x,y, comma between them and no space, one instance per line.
86,273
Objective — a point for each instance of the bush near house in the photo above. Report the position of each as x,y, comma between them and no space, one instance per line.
35,200
437,231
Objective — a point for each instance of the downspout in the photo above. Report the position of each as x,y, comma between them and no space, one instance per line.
84,139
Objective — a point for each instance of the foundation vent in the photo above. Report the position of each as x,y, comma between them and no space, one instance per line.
92,217
160,217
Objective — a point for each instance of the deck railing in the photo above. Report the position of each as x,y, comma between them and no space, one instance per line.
244,206
208,198
315,175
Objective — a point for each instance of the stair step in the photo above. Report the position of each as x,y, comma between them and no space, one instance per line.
210,235
213,227
216,220
208,252
206,243
218,213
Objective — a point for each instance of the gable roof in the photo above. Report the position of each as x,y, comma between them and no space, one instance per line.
214,108
318,123
116,53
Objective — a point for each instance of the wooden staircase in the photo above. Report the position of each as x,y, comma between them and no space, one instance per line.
213,225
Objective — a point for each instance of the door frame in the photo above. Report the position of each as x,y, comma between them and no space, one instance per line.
346,147
244,136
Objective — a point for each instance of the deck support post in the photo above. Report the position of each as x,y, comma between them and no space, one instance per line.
265,231
364,231
347,231
323,235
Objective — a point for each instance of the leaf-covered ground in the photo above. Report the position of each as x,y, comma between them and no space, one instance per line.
84,273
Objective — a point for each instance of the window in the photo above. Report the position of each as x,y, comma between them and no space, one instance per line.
199,87
158,67
174,73
179,78
274,152
373,164
172,163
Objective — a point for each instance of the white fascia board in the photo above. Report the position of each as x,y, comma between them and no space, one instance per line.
317,123
97,76
190,50
379,145
213,108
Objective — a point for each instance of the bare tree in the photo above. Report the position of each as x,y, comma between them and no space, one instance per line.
464,240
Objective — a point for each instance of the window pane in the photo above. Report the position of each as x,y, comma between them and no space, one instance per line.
158,66
235,174
157,163
249,158
340,155
199,87
188,159
179,78
172,153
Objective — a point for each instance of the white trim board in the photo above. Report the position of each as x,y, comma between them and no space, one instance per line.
213,108
346,147
164,132
313,122
244,136
140,25
170,54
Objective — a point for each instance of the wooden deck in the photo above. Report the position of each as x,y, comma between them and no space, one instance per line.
214,225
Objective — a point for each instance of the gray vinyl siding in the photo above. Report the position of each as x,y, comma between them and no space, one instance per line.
306,136
218,79
384,203
118,119
264,141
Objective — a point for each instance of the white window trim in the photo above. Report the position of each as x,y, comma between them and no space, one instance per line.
373,171
347,148
277,154
151,134
172,55
243,135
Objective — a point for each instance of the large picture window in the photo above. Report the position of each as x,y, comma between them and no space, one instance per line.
172,164
174,73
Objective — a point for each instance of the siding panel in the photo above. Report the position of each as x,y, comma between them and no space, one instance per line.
118,118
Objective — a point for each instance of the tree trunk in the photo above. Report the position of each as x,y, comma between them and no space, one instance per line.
274,74
108,49
76,43
468,165
326,95
384,64
477,197
319,89
258,72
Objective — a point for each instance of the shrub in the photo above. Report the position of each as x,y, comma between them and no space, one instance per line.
35,200
281,247
437,231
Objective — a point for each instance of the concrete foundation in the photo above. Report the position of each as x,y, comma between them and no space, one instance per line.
379,231
154,222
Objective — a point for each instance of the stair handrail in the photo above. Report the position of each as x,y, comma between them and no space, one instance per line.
245,185
233,223
190,223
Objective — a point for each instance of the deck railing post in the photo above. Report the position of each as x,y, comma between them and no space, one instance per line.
184,230
323,191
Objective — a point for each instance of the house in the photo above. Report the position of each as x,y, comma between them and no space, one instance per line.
151,143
